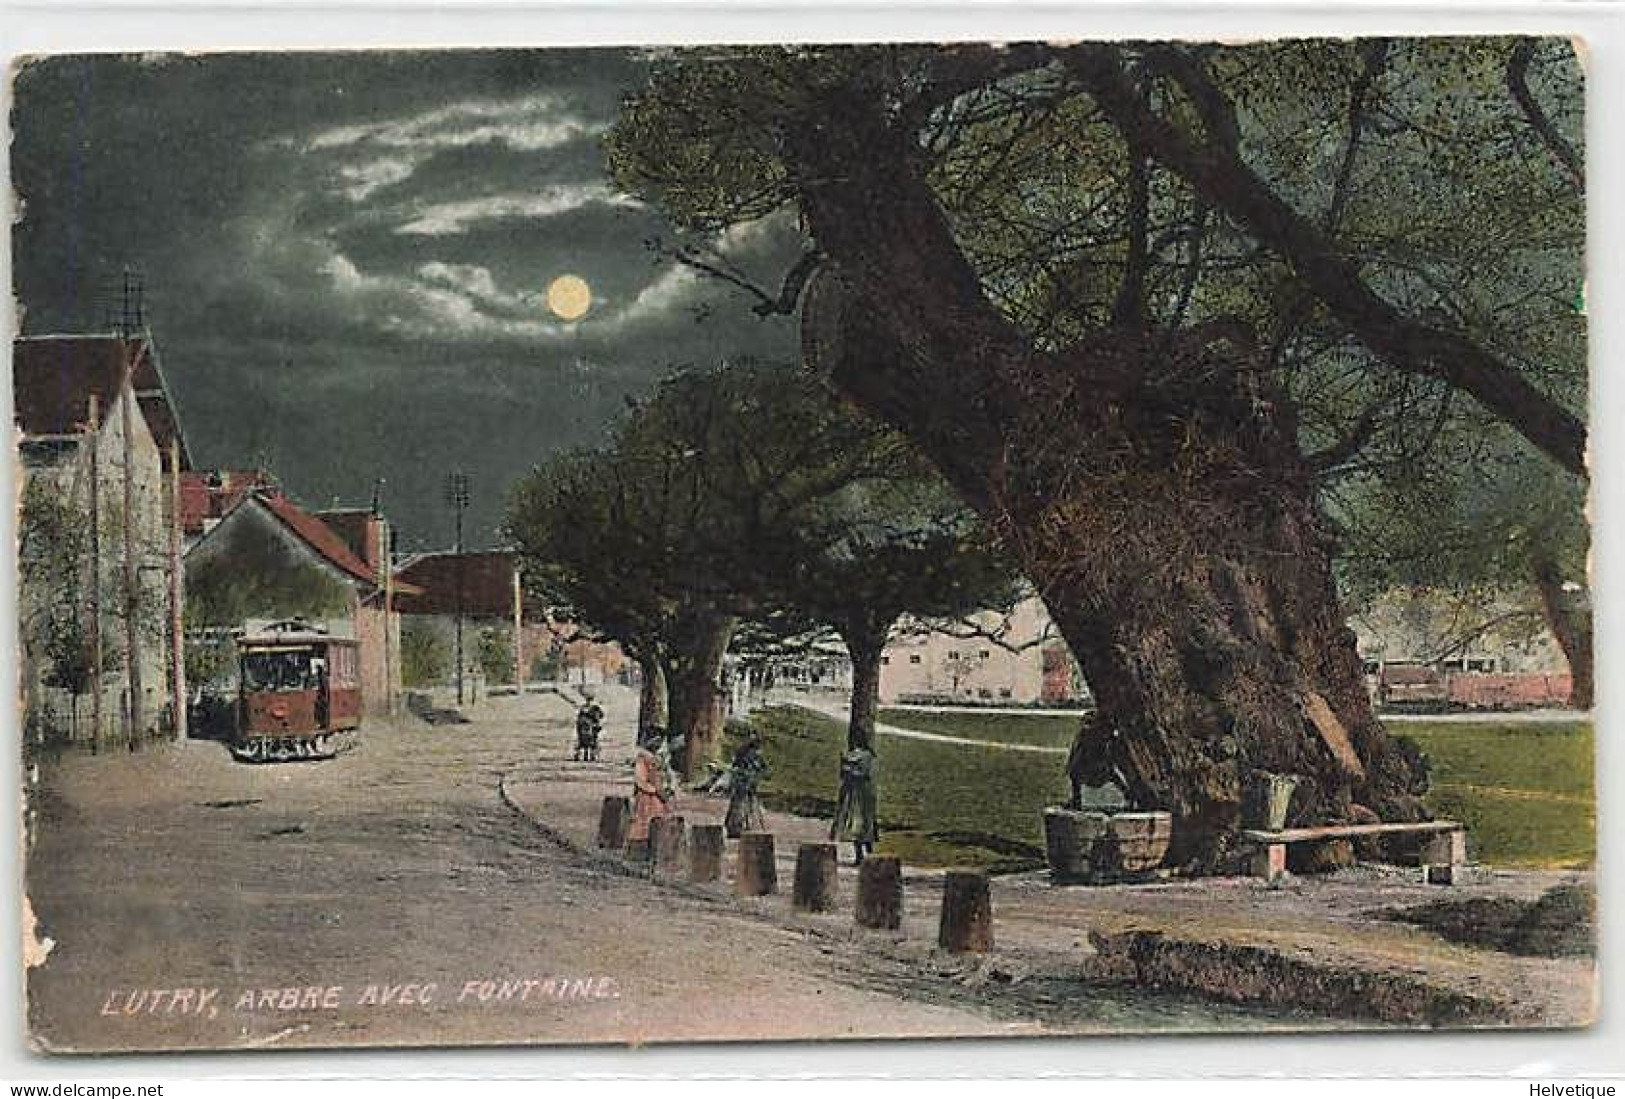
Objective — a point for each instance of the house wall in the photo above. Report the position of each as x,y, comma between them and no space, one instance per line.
251,566
1420,625
378,636
145,538
934,665
548,650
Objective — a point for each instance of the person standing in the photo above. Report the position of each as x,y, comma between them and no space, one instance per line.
651,789
856,818
745,812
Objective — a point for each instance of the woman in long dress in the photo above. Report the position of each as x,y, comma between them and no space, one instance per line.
651,789
856,818
744,777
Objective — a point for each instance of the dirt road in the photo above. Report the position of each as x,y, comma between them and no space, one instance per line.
388,897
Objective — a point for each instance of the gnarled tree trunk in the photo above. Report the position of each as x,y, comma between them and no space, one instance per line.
693,669
1149,483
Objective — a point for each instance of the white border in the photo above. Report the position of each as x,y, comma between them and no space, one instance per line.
132,25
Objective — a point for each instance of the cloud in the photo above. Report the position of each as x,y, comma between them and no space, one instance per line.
530,123
380,154
480,285
675,288
449,218
368,176
444,300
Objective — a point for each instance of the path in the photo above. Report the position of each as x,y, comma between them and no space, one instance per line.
842,713
396,866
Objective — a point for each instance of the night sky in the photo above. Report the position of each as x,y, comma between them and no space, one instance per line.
346,259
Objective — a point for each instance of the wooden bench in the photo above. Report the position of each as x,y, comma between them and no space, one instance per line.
1446,845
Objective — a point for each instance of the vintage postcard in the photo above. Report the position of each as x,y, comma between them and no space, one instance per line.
803,542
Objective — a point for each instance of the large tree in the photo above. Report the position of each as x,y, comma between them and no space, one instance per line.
1020,257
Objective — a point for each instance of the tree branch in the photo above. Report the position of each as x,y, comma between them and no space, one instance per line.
1352,443
1539,121
1215,168
1129,309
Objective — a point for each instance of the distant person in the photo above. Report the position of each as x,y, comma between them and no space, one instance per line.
651,787
856,819
589,727
745,773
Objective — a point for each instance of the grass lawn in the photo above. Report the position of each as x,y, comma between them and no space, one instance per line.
940,804
1525,792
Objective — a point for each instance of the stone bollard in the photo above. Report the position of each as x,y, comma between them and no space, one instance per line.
880,892
815,878
967,913
666,836
758,873
613,820
706,844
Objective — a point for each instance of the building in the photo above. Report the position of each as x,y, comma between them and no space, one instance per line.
101,453
206,496
1016,658
1013,658
268,558
504,634
1426,649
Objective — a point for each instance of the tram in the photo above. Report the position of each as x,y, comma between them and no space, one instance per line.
298,691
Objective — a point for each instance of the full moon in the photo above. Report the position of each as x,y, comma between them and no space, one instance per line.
569,297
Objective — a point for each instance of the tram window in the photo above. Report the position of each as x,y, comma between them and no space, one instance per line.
278,672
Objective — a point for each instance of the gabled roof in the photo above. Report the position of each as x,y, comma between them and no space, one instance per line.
323,544
210,494
317,535
54,377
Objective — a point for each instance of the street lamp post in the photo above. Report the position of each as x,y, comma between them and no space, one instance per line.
457,500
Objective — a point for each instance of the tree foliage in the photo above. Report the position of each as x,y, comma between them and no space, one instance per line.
53,550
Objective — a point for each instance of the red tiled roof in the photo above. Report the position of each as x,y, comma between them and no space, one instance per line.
54,377
318,536
53,380
485,580
210,494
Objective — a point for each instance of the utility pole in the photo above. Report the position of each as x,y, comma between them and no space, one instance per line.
381,536
518,632
132,575
457,500
177,597
132,350
93,437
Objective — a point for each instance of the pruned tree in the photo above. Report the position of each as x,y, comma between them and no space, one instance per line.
663,539
876,553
